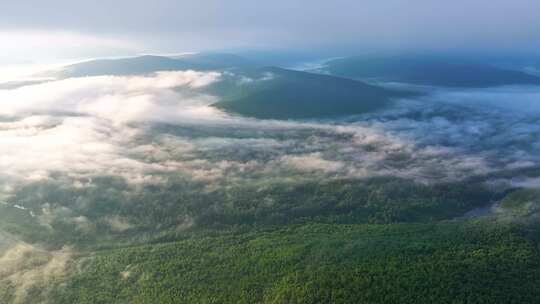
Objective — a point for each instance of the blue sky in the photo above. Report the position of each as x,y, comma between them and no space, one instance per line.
33,30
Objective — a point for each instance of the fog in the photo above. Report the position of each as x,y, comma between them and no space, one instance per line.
140,127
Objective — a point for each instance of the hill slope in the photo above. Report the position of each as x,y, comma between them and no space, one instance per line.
149,63
285,94
319,263
427,71
249,90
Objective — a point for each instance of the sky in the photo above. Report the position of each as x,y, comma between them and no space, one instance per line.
50,31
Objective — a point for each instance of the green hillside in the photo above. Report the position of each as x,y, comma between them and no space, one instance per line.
406,263
245,89
377,241
427,70
149,63
288,94
436,203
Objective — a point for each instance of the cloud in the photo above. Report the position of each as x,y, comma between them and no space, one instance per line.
82,126
144,127
115,98
119,224
152,135
35,146
525,182
521,99
154,131
311,162
29,269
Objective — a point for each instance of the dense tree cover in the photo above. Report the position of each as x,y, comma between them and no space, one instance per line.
452,262
82,216
217,212
378,240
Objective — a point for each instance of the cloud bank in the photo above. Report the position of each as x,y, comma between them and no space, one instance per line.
83,125
144,126
86,158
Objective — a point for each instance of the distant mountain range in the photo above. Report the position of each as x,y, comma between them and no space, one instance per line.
250,90
286,94
426,70
337,89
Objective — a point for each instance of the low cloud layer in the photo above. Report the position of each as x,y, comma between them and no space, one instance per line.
82,158
148,130
119,99
140,127
83,125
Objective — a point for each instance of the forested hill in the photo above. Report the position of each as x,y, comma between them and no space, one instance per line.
286,94
150,63
427,70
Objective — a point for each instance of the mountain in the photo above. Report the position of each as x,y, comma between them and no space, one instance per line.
149,63
210,60
283,58
276,93
249,90
427,70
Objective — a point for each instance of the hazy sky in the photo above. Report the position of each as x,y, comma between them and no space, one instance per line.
64,29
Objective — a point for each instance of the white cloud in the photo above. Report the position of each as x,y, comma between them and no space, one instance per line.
524,99
103,125
82,126
533,182
312,162
119,99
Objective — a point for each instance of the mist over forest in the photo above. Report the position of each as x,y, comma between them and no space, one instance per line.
284,152
131,158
